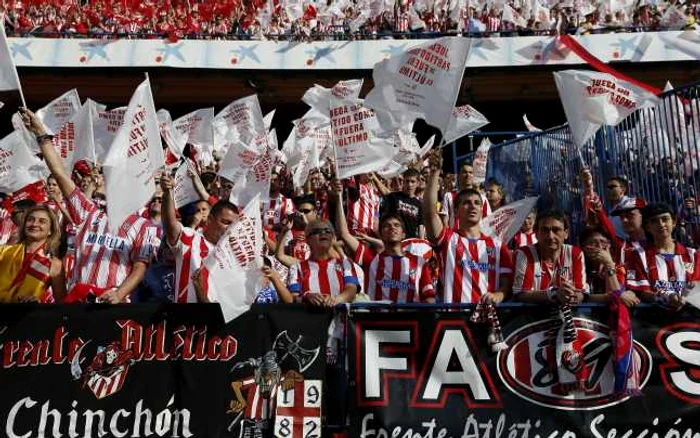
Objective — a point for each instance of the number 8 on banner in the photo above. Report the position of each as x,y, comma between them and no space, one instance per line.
298,413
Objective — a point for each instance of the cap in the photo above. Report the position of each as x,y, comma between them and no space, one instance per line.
629,204
654,210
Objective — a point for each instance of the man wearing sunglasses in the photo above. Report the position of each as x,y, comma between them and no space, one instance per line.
323,280
292,244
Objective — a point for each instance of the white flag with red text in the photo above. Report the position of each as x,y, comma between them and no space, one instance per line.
233,267
18,167
242,118
591,99
465,119
480,162
358,148
255,182
422,82
59,111
507,220
136,154
184,191
319,98
105,125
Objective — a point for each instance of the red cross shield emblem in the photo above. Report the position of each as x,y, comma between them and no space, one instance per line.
298,413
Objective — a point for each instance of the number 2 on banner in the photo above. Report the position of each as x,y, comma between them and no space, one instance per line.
298,413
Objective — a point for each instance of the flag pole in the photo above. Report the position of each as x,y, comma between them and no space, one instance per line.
3,38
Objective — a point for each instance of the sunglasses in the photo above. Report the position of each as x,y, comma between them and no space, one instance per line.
306,210
318,231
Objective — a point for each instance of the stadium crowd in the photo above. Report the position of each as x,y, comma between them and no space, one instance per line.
343,19
412,238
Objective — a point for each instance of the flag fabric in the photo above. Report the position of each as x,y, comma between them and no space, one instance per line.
510,15
480,161
239,159
74,141
319,98
194,128
507,220
18,167
422,82
184,191
591,99
242,118
358,148
9,80
255,182
105,125
59,111
267,120
233,267
464,119
136,154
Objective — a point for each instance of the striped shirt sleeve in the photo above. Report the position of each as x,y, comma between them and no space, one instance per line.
79,206
522,279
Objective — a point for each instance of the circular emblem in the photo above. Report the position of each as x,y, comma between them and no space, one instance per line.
527,369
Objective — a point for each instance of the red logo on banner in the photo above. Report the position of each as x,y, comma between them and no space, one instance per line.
525,367
680,345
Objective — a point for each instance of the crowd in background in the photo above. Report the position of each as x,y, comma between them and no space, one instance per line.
339,20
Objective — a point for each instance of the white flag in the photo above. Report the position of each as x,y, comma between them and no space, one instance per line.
357,147
464,120
8,72
255,182
481,160
510,15
74,141
242,117
591,99
422,82
133,159
234,264
239,159
59,111
267,120
319,98
184,191
105,125
507,220
18,167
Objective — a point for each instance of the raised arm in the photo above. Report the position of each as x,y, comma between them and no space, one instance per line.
198,186
53,161
341,223
383,189
171,226
431,219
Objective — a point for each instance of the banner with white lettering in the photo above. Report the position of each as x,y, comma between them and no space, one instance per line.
149,370
134,158
439,367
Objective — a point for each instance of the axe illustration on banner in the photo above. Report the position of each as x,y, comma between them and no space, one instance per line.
285,347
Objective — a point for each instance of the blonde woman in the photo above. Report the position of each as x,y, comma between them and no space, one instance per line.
30,271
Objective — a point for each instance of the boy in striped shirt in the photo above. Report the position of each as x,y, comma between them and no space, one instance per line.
448,211
666,268
392,274
476,267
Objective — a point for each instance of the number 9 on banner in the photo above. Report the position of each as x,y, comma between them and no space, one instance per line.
298,413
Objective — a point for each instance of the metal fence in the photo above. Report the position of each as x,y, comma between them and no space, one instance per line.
656,149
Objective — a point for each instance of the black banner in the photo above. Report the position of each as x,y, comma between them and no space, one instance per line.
432,375
154,371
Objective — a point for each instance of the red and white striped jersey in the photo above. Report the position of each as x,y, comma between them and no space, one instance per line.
327,277
524,239
420,247
274,210
628,248
531,274
104,258
190,251
364,212
8,229
398,278
471,267
402,22
295,245
448,209
653,271
493,24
